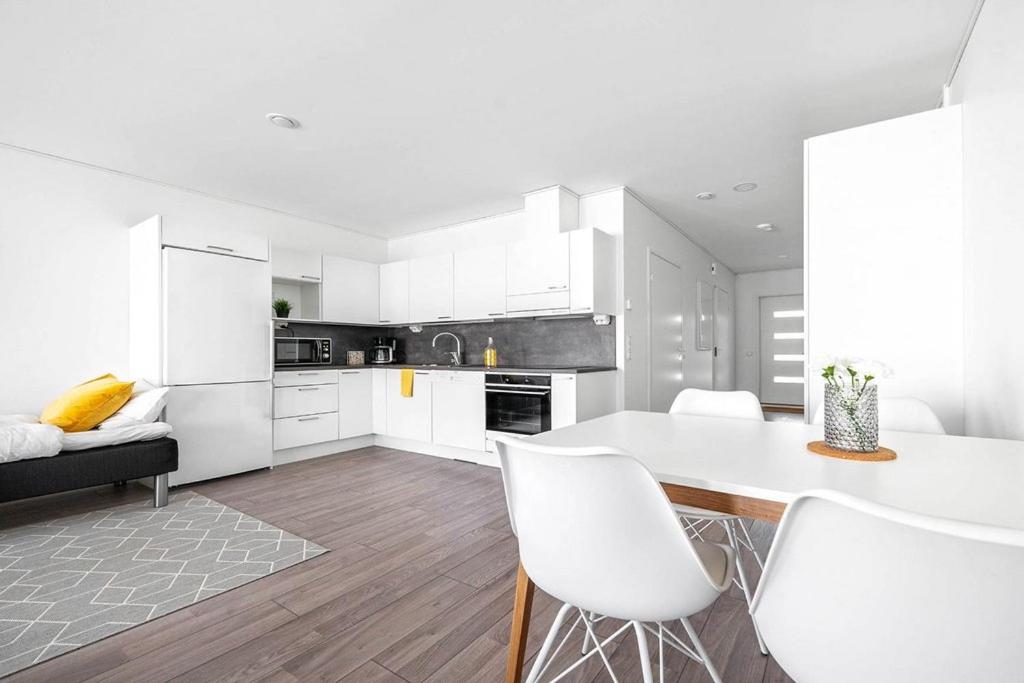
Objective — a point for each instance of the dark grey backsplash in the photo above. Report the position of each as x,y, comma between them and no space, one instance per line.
554,342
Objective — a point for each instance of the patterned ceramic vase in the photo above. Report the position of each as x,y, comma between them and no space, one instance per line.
851,420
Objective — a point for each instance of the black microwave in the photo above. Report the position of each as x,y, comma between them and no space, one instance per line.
302,351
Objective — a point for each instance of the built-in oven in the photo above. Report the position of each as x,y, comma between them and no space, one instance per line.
302,351
518,403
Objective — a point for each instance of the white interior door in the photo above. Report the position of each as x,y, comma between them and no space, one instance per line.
217,326
782,349
666,334
723,357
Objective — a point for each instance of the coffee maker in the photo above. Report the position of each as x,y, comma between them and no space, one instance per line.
383,351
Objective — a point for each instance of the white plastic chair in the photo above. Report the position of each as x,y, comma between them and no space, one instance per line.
596,531
856,591
741,405
900,415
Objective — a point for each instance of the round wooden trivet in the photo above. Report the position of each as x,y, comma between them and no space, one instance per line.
822,448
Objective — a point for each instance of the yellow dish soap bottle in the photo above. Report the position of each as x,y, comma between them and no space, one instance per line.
490,354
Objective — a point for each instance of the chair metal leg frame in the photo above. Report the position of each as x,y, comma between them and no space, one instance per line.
749,544
730,531
665,637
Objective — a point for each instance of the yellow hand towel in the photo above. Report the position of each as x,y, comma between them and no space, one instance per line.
407,375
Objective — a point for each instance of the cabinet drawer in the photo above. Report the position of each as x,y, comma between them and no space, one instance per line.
215,240
292,401
294,378
537,304
290,432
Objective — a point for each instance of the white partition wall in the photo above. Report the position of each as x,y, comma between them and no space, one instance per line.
883,255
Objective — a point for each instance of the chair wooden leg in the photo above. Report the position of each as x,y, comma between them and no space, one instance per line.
520,627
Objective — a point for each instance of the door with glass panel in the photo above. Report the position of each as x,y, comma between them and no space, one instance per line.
782,350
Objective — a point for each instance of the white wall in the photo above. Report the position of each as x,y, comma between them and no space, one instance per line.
644,230
883,255
990,84
505,227
750,287
64,271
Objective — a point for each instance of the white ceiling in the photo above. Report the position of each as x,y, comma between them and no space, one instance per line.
421,114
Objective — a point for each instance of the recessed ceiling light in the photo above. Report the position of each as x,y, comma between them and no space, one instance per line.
783,255
282,120
764,227
745,187
706,195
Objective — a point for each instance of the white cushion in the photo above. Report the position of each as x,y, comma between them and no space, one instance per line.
142,408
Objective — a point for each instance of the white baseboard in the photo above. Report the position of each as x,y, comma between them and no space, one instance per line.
318,450
449,452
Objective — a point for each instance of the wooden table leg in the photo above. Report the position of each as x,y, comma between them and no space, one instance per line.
520,627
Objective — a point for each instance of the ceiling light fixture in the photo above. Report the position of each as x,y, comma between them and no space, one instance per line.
282,121
745,187
764,227
706,195
783,255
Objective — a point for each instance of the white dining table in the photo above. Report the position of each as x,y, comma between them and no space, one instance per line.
754,469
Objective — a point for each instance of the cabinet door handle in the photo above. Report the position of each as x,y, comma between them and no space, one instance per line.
556,287
444,317
307,419
384,321
214,246
350,372
309,389
303,374
309,277
495,314
421,373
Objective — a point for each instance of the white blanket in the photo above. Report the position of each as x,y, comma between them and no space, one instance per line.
21,441
79,441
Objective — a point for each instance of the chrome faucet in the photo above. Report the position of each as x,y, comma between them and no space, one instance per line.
457,353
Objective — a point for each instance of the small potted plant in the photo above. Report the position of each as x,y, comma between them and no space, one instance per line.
851,403
282,308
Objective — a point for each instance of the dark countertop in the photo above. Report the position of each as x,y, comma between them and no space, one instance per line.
460,368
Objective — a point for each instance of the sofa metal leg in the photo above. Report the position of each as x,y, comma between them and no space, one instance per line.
160,490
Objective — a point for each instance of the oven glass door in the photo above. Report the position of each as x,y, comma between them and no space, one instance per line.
519,411
289,351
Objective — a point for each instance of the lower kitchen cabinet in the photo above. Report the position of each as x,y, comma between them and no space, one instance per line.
304,430
579,397
379,380
409,418
355,403
459,409
307,400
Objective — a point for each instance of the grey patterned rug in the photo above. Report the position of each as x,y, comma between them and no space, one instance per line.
73,581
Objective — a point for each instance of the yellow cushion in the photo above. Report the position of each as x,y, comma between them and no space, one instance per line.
82,407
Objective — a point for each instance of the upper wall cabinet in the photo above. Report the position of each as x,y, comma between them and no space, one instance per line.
301,266
214,240
430,288
394,293
480,283
591,272
539,265
351,291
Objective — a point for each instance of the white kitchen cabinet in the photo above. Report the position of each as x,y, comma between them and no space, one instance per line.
459,409
394,293
409,418
581,396
303,430
297,378
355,403
294,401
430,288
221,429
351,291
479,283
591,272
379,380
302,266
538,265
214,239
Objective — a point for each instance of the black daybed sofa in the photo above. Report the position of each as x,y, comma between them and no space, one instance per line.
70,470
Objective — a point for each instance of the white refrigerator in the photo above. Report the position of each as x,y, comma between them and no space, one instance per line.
201,325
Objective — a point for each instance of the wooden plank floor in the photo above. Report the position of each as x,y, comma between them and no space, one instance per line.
418,587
